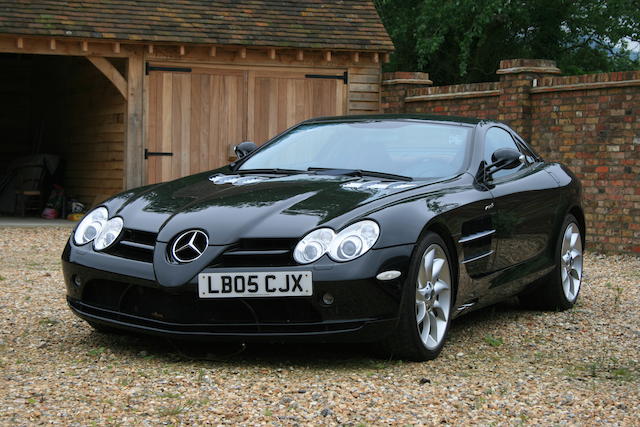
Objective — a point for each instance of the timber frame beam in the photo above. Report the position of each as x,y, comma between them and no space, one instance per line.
111,73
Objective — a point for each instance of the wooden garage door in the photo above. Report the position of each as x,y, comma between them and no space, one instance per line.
193,116
197,116
282,100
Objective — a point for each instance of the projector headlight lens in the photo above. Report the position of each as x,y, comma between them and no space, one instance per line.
91,226
313,245
109,233
354,241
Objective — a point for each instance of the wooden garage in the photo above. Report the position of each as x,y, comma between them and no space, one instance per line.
147,92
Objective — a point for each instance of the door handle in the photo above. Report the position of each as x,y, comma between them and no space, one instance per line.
148,153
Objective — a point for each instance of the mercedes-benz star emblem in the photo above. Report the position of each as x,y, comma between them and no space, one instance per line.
189,245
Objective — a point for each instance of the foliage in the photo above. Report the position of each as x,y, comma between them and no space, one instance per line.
459,41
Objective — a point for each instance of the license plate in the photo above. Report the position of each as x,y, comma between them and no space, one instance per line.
276,284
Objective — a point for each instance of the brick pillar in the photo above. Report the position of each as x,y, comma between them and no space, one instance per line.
395,87
517,76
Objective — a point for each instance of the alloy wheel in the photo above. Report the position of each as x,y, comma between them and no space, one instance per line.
571,262
433,296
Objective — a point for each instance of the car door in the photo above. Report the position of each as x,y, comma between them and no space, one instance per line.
524,203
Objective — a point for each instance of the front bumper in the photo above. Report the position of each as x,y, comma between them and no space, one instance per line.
124,294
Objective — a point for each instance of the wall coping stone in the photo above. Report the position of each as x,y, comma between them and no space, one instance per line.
454,95
585,86
519,70
407,82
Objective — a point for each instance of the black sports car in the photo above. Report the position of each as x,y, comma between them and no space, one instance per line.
364,228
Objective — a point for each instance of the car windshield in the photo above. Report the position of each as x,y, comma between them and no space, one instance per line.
400,147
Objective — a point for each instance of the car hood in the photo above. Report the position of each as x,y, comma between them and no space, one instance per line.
228,206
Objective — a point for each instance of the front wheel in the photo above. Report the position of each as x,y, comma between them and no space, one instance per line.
425,312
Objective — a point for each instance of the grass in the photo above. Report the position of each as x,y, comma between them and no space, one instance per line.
94,352
493,341
268,412
170,395
46,321
171,411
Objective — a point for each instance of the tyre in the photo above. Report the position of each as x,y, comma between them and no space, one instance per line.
426,305
560,289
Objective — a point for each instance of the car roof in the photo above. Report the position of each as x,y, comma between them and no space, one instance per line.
379,117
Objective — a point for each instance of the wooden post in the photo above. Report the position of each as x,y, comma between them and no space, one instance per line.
327,56
300,55
84,45
150,49
181,50
133,159
376,57
116,47
52,44
20,43
213,51
243,52
356,56
272,53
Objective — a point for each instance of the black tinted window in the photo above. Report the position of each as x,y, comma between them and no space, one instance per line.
496,139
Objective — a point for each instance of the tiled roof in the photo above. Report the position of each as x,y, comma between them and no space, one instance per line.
316,24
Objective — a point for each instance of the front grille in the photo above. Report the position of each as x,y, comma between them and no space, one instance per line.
258,253
186,308
134,244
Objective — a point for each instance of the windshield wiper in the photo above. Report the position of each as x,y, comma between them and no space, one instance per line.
271,170
362,172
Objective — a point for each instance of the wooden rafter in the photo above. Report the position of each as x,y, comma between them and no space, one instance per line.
111,73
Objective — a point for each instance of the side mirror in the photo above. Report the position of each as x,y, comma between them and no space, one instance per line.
244,148
503,158
506,158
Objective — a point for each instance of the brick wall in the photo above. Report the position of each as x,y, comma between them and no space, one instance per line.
591,123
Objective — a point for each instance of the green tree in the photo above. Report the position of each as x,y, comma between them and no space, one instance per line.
461,41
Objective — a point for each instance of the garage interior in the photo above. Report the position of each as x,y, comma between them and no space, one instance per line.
62,127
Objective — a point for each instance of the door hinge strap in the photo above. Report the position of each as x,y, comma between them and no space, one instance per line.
148,153
148,68
344,77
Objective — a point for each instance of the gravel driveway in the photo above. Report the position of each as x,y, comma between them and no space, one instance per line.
502,365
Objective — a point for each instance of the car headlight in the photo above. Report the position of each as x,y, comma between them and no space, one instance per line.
313,245
354,241
91,226
109,233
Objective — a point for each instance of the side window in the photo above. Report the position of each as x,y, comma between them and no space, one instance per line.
496,139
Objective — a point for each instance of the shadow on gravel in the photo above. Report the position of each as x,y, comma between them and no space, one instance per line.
312,355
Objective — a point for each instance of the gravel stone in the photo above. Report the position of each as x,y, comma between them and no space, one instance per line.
577,367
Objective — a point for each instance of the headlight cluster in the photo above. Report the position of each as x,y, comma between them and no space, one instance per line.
95,227
347,245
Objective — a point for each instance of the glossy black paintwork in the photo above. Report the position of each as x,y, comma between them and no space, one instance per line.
525,210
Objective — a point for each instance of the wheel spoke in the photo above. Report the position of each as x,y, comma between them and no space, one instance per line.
440,286
428,265
421,293
433,332
437,269
574,239
426,327
421,312
566,243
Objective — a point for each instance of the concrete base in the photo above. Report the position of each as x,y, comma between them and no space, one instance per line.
13,221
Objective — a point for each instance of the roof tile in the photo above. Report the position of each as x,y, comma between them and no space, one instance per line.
331,24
